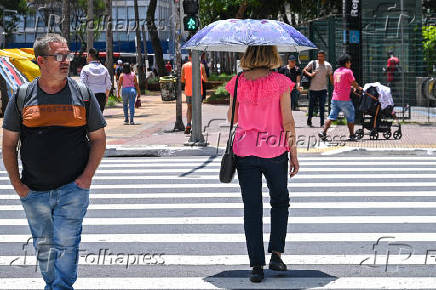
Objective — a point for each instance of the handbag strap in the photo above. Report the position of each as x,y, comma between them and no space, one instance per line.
235,94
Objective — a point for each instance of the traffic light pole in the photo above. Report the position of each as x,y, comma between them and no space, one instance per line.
197,138
178,126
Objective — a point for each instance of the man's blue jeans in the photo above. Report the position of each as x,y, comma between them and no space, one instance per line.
55,218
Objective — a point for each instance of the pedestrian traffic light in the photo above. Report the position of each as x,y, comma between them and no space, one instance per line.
190,21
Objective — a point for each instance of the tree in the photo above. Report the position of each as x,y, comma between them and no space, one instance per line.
429,45
66,20
154,35
139,62
109,41
89,26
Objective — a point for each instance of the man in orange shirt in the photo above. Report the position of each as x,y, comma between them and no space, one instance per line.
187,79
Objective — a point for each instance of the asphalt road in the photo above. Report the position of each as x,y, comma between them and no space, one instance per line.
356,222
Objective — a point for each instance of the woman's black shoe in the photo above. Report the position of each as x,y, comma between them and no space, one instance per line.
256,275
276,263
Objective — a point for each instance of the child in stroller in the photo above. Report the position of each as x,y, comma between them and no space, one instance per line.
377,109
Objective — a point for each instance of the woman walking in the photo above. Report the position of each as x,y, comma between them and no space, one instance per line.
130,90
263,138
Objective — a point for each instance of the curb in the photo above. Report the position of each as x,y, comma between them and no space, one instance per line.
161,151
175,151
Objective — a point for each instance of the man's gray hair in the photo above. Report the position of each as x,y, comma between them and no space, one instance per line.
41,46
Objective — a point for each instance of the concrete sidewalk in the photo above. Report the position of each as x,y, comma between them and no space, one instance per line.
155,118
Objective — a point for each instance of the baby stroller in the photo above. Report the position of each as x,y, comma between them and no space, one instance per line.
377,113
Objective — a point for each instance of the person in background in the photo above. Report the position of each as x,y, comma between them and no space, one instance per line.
187,79
319,70
203,61
96,77
293,72
130,91
341,101
169,67
118,69
263,112
392,71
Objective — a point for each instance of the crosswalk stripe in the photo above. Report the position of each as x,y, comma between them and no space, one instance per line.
240,220
216,282
218,159
302,170
237,238
292,194
238,205
107,258
301,176
235,185
332,163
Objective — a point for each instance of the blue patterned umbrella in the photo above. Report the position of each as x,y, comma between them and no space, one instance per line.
236,34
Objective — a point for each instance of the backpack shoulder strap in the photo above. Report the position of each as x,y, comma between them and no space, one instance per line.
84,94
21,96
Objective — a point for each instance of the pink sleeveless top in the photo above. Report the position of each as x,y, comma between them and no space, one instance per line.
129,80
260,126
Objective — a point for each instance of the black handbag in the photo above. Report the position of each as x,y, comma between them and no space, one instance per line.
228,162
305,80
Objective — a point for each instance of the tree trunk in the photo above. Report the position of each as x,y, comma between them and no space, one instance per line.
90,25
155,41
139,62
241,11
284,15
109,42
66,20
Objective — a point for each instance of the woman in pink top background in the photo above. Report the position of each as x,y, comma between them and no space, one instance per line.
130,90
264,136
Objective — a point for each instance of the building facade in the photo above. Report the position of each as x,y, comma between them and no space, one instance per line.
47,18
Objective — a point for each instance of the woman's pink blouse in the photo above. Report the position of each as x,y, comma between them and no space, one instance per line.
260,127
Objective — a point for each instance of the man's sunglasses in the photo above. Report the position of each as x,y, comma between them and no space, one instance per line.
61,57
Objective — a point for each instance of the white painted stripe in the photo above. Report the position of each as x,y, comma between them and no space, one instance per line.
292,194
230,283
235,205
218,159
236,185
329,163
238,238
239,220
107,258
302,170
195,176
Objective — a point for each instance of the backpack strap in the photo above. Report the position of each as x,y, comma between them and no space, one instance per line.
84,93
22,96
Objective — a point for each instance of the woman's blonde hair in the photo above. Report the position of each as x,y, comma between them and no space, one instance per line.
260,56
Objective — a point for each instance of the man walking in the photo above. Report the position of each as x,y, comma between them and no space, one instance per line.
187,79
318,70
341,101
293,72
96,77
61,130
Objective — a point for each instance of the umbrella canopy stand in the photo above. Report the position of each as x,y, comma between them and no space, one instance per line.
197,138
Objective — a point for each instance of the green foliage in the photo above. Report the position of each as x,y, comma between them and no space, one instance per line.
112,101
222,77
212,10
429,45
153,81
219,94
